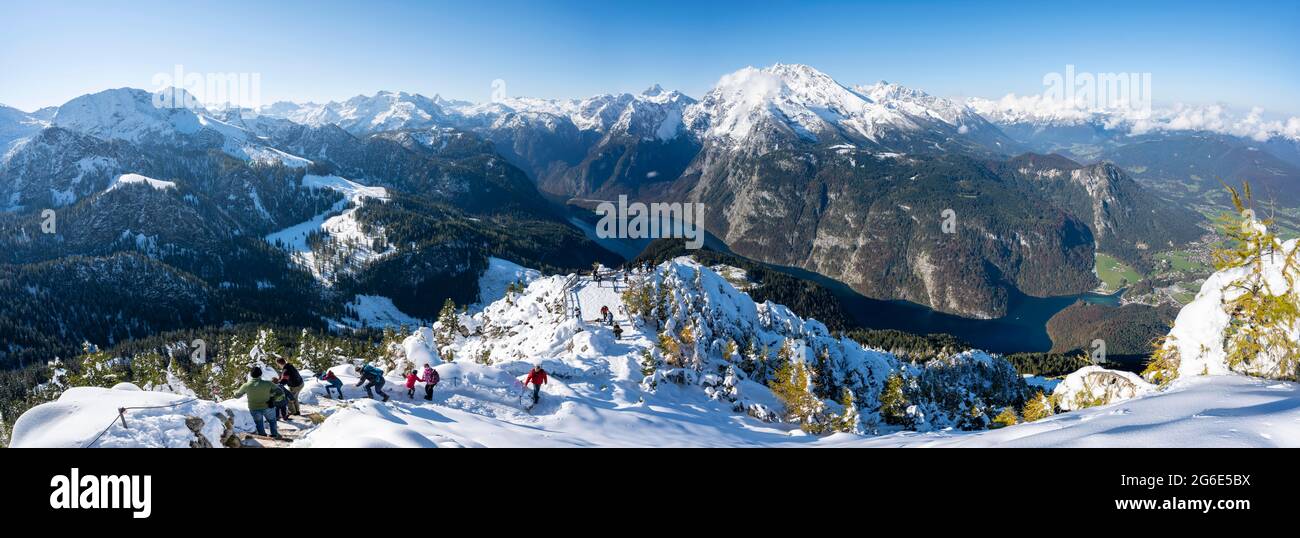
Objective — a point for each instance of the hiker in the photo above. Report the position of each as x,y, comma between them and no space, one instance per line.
292,379
430,379
283,396
605,316
411,378
261,396
373,378
618,332
332,382
536,376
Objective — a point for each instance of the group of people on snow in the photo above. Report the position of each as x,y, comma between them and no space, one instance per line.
429,377
272,401
607,318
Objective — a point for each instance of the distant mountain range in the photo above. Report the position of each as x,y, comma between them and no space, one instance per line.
273,215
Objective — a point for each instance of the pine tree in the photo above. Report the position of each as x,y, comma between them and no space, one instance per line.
851,420
99,369
793,386
638,298
448,329
670,349
729,351
1263,316
648,363
312,353
149,370
689,354
893,402
1006,418
1037,407
824,375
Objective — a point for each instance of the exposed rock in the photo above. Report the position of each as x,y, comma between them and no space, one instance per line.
1093,385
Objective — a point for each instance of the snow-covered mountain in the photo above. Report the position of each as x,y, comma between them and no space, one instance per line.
95,138
16,125
625,142
702,374
384,111
694,371
758,110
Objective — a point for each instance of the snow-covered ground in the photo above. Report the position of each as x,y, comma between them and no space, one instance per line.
130,179
1204,411
377,311
599,395
81,414
500,274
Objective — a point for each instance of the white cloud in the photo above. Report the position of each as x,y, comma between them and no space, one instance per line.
1215,118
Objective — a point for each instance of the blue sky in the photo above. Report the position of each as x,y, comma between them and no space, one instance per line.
1242,54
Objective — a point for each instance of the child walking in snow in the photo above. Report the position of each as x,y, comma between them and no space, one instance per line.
411,378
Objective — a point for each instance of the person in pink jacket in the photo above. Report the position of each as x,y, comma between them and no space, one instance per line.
430,378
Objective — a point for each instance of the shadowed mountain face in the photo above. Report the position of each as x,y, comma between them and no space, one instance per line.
876,223
1126,220
1205,160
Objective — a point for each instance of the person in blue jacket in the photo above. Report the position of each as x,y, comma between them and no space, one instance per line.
373,378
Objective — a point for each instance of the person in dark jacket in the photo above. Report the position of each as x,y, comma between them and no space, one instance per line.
536,376
282,400
292,381
618,332
373,378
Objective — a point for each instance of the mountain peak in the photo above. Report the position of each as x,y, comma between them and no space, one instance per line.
129,114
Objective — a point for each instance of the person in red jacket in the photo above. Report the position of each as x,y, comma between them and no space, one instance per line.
536,376
411,378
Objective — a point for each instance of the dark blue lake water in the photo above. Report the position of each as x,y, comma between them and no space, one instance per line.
1024,328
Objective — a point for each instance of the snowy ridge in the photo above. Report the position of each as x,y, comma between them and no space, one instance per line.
137,179
132,115
339,224
750,108
794,98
